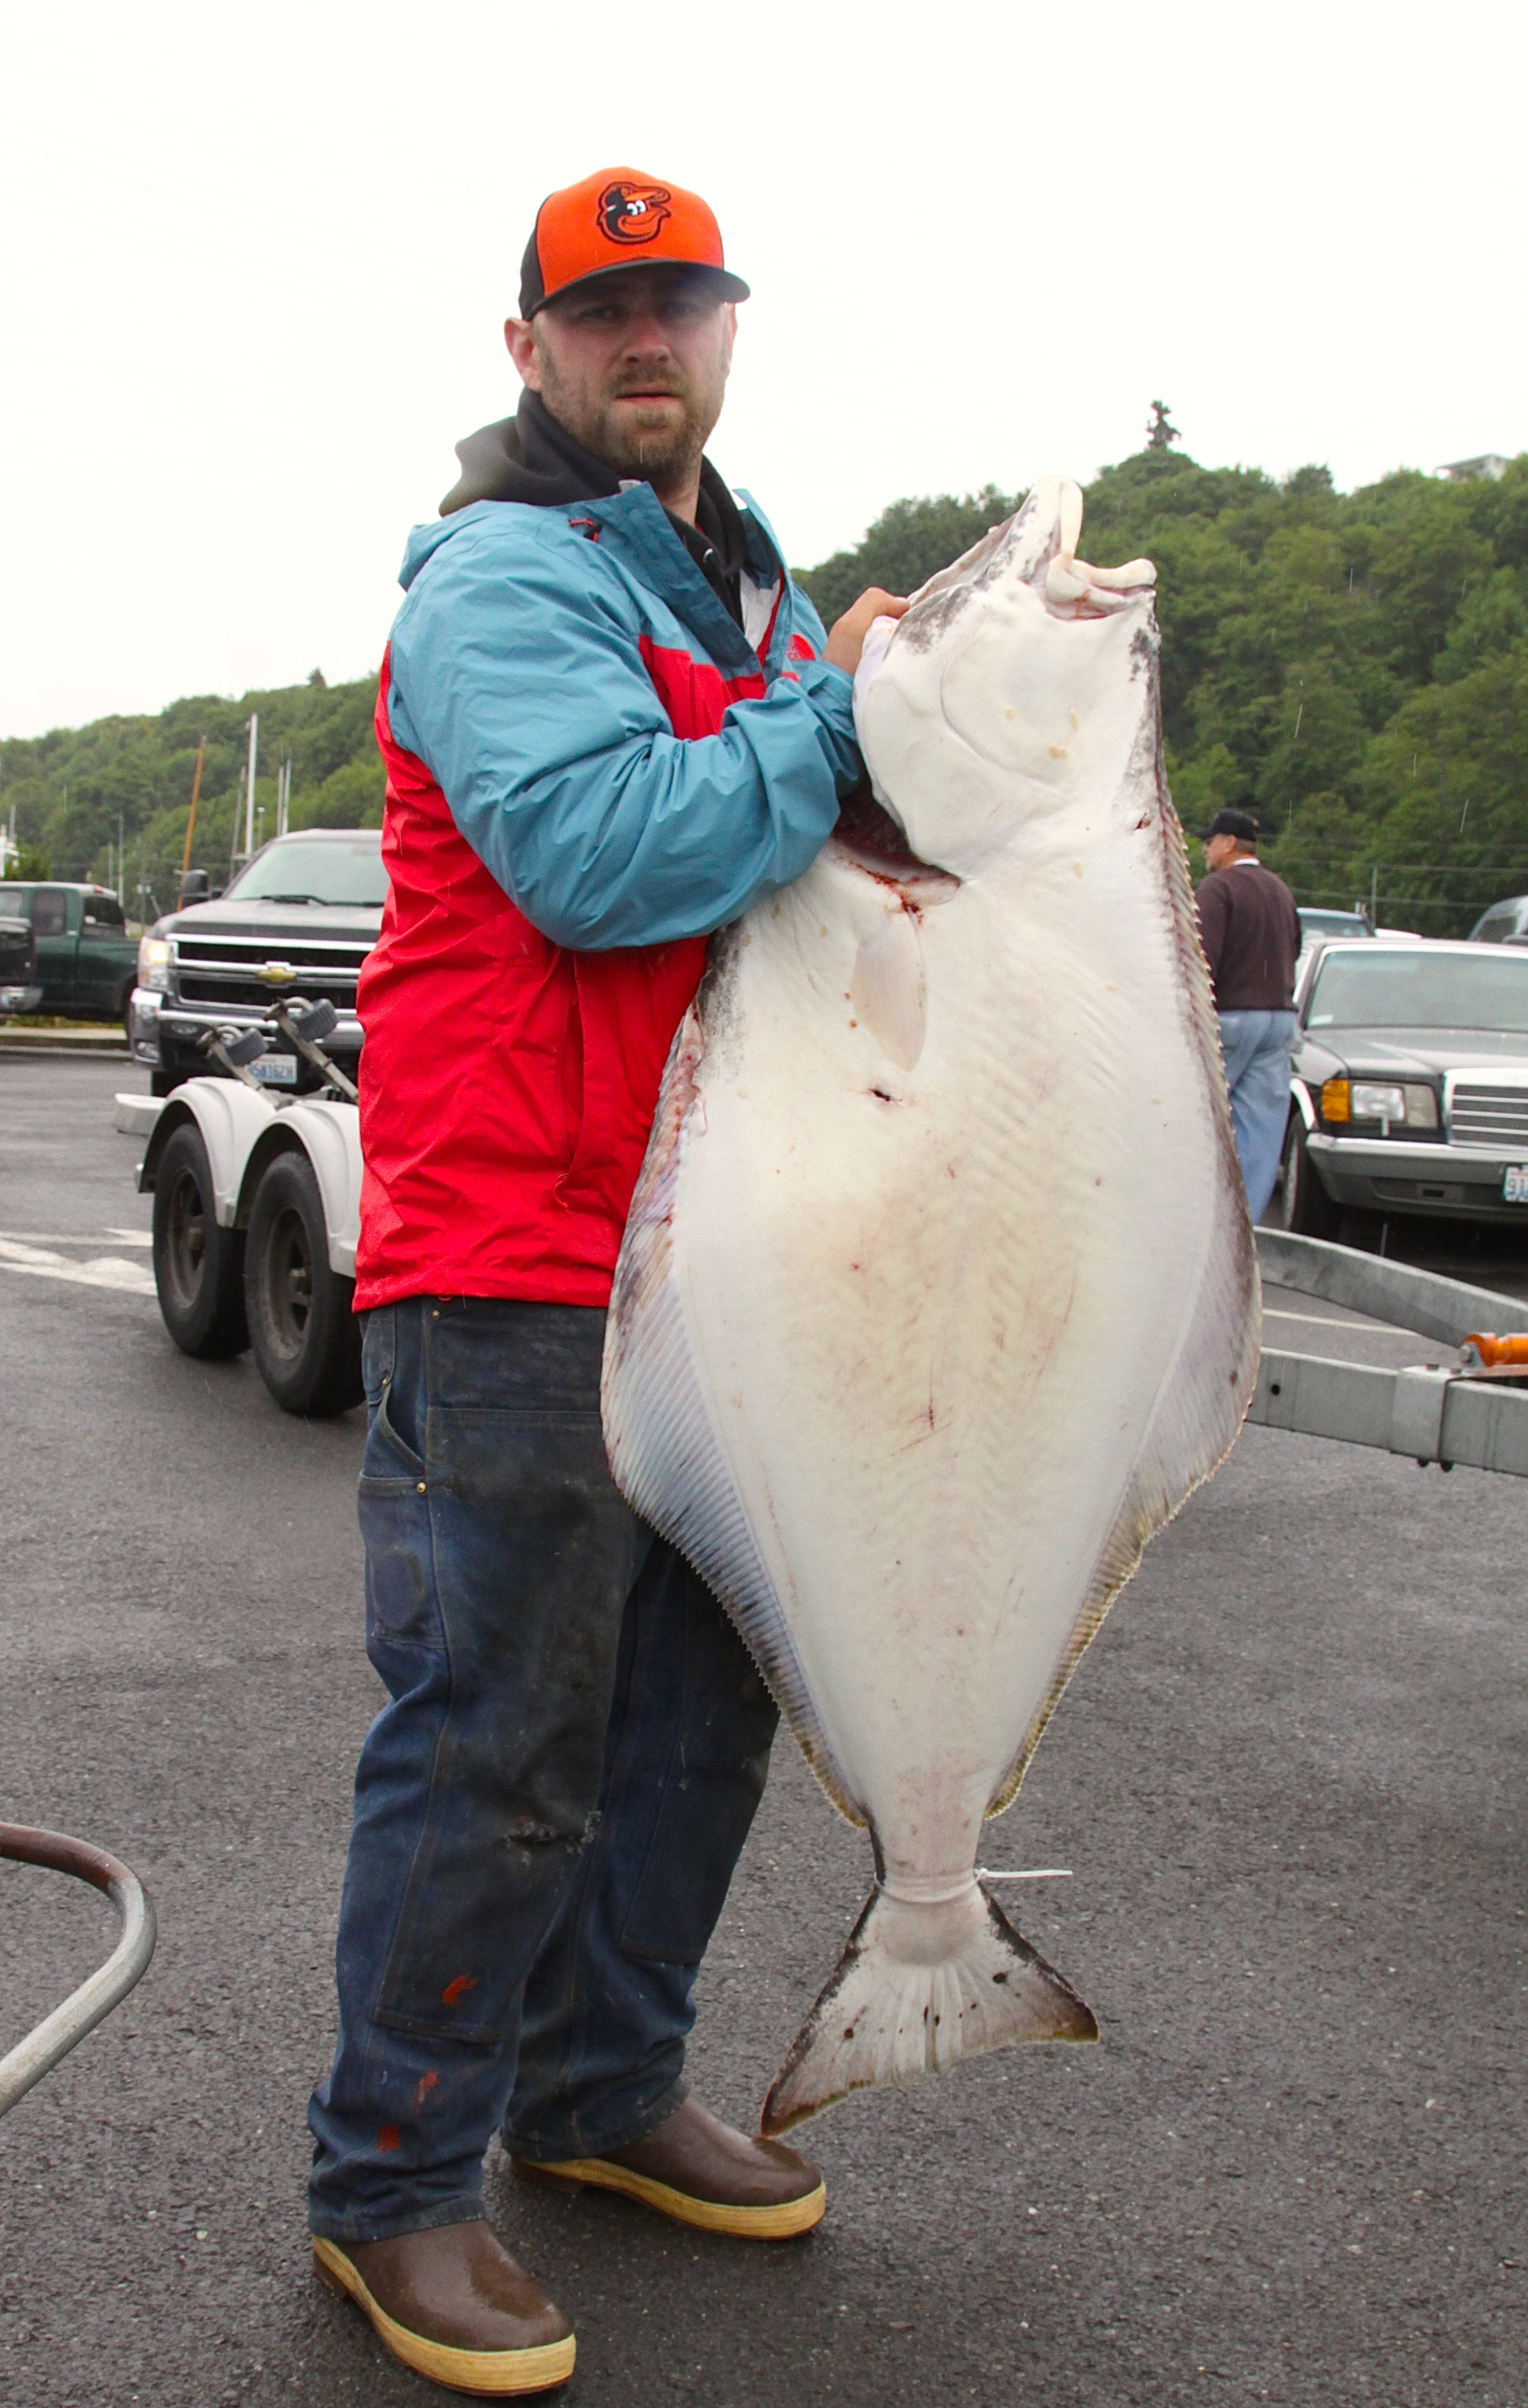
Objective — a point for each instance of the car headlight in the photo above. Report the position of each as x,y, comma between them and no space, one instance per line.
1403,1106
154,962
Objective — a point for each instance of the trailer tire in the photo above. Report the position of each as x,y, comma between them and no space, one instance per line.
306,1339
198,1266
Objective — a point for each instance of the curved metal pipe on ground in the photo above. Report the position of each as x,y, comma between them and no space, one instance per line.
59,2032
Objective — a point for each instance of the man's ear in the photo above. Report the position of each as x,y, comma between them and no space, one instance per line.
729,319
519,343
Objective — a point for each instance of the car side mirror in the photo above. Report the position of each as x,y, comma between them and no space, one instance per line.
196,887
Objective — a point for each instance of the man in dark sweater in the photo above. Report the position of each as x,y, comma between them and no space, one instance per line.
1250,933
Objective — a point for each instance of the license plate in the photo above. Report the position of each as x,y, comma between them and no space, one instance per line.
1515,1183
280,1071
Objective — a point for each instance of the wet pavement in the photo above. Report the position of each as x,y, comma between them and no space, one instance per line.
1286,1783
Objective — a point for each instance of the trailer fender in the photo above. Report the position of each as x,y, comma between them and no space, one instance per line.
232,1118
329,1134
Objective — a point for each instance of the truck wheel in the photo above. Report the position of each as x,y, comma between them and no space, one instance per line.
198,1267
306,1340
1304,1206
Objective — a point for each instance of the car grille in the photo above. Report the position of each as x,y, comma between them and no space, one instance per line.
242,953
310,987
224,971
1492,1116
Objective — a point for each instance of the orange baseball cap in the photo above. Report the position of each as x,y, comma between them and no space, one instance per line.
616,218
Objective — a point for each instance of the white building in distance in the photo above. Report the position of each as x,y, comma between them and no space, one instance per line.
1489,464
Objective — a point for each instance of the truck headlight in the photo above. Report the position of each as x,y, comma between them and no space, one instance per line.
154,962
1403,1106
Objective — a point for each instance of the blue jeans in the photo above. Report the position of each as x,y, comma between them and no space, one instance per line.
549,1811
1257,1047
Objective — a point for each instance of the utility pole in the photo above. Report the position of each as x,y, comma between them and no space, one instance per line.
122,874
191,823
248,791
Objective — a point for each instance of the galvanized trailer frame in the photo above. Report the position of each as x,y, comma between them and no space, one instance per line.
1443,1416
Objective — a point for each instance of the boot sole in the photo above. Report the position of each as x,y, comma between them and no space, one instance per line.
779,2223
487,2373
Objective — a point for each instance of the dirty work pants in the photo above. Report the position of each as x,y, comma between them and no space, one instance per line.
549,1811
1257,1047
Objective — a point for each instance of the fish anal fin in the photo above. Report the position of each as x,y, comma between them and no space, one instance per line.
918,1988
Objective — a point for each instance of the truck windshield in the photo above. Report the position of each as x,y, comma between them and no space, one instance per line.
332,869
1370,987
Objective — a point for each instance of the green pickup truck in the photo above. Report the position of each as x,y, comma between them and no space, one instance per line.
87,962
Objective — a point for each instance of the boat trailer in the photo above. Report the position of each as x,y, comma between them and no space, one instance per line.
1475,1413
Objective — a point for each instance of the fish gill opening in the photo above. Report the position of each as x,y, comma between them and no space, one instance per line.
875,840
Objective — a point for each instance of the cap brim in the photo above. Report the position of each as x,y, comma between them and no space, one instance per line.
728,286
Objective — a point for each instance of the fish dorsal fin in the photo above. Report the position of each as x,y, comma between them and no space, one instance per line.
661,1426
888,988
1208,1384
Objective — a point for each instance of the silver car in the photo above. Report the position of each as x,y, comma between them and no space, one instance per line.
1410,1085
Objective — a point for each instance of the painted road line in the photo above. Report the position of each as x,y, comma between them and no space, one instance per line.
74,1236
99,1270
1329,1321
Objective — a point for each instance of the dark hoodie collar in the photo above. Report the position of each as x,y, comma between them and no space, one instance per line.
531,458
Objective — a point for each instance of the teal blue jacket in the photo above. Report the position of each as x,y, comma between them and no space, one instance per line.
629,764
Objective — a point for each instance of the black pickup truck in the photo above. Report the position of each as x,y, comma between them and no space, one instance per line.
295,926
21,989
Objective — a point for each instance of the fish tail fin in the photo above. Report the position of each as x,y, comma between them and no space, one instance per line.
918,1987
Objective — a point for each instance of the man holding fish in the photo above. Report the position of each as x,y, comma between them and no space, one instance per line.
612,725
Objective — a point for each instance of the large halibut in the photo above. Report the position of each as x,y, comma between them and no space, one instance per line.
938,1293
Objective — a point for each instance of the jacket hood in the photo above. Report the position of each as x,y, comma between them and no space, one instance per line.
530,458
527,458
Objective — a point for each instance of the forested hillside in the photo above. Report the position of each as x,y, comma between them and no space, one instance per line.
74,787
1352,667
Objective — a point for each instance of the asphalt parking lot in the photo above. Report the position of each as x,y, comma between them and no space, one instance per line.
1287,1781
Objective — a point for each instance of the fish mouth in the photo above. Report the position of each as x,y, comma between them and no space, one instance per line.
870,835
1037,547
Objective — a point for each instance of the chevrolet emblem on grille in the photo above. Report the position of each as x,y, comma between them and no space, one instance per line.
275,974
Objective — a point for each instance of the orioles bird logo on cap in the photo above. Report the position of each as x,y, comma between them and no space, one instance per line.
633,213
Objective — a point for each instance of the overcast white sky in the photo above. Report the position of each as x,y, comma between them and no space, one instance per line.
255,264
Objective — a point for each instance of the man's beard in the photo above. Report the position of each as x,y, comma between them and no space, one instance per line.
659,453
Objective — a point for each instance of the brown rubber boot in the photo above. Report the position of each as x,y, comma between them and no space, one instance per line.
700,2172
452,2304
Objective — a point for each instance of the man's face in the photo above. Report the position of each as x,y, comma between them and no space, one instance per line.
635,367
1221,849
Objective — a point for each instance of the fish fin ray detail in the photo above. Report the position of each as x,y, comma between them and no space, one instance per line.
659,1430
918,1988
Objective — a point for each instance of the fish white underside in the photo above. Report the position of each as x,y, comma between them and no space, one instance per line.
938,1295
